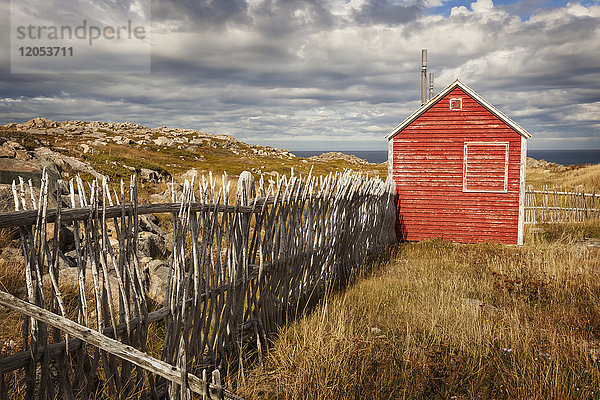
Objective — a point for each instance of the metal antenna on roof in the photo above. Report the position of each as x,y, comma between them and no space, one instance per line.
423,76
430,85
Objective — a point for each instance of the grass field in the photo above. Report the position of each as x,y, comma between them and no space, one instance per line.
437,320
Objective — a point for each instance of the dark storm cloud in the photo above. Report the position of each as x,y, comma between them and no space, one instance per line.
200,13
282,17
387,12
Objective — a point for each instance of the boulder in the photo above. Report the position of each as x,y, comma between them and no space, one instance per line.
7,202
151,245
333,156
188,175
149,223
533,163
87,148
7,153
40,122
163,141
11,169
56,131
60,160
150,175
156,280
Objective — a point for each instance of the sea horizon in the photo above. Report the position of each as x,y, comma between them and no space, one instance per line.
563,157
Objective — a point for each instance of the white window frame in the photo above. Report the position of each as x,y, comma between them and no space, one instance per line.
466,171
460,101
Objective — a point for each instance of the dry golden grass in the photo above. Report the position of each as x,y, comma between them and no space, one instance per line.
443,320
572,176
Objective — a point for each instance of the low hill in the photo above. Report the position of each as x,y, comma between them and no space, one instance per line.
541,173
117,150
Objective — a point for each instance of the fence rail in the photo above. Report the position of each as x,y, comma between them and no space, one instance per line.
560,205
238,271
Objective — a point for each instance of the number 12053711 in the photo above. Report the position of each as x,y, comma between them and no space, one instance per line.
46,51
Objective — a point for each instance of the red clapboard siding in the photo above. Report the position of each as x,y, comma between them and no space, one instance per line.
457,174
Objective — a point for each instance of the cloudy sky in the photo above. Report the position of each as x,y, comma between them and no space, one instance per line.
325,75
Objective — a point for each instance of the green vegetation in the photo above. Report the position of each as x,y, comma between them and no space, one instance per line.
113,165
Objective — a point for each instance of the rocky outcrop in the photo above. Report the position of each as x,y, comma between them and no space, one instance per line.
97,133
62,160
533,163
16,162
40,123
334,156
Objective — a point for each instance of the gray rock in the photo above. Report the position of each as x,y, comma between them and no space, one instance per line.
35,131
70,128
11,169
151,245
125,141
154,265
188,175
6,152
71,254
150,175
163,141
45,153
87,149
7,202
39,122
157,278
587,247
149,223
22,155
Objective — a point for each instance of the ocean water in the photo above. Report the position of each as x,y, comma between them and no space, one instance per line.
567,157
564,157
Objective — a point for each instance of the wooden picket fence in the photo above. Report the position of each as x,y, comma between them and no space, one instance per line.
560,205
238,271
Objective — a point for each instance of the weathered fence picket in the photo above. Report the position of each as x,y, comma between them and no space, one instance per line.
560,205
238,271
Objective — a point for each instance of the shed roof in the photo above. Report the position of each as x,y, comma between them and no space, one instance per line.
457,83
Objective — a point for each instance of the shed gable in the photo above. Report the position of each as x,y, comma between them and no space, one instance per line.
452,104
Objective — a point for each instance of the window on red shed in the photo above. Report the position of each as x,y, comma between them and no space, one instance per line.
456,104
485,167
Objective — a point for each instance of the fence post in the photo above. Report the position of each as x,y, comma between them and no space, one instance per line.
216,391
246,188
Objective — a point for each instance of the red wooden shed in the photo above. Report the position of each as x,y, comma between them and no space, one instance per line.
459,168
